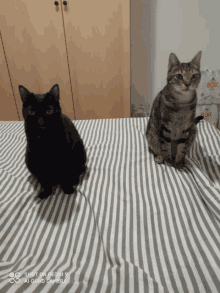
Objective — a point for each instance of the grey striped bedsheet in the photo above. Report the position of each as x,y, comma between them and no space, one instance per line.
134,226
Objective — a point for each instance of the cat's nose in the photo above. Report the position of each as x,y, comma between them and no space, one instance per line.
40,121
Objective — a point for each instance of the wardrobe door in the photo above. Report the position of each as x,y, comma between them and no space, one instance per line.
8,111
35,48
98,43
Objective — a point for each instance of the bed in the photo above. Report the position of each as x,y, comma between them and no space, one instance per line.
134,226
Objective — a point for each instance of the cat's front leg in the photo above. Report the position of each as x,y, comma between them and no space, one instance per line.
166,147
154,145
180,156
158,159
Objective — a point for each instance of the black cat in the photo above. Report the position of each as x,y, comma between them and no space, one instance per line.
55,152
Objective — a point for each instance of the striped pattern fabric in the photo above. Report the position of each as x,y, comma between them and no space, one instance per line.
134,226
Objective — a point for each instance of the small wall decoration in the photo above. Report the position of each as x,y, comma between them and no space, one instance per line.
208,93
206,114
212,84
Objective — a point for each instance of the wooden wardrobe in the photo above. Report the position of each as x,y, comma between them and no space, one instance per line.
84,46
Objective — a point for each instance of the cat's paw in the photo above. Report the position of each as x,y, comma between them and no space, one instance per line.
158,159
68,189
169,164
46,192
31,178
180,164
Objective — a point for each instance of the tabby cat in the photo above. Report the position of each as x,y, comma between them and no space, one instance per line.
171,129
55,153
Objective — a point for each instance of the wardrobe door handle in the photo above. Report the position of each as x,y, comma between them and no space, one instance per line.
64,3
56,3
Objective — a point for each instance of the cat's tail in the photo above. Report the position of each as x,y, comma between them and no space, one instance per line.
198,118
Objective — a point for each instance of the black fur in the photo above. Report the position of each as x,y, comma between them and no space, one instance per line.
198,119
55,152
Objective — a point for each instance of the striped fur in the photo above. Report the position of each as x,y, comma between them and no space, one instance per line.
171,129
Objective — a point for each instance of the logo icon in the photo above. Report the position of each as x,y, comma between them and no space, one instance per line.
14,278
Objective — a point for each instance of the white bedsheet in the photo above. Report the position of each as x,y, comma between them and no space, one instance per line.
134,226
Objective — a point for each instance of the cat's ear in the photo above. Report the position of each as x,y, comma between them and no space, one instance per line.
197,58
24,93
173,61
55,92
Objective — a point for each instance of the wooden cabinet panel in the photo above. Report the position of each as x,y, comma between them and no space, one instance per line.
33,36
98,42
8,111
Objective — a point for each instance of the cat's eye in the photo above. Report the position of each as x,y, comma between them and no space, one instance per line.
31,112
49,112
179,76
193,76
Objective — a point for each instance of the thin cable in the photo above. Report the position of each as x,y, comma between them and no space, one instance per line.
67,59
